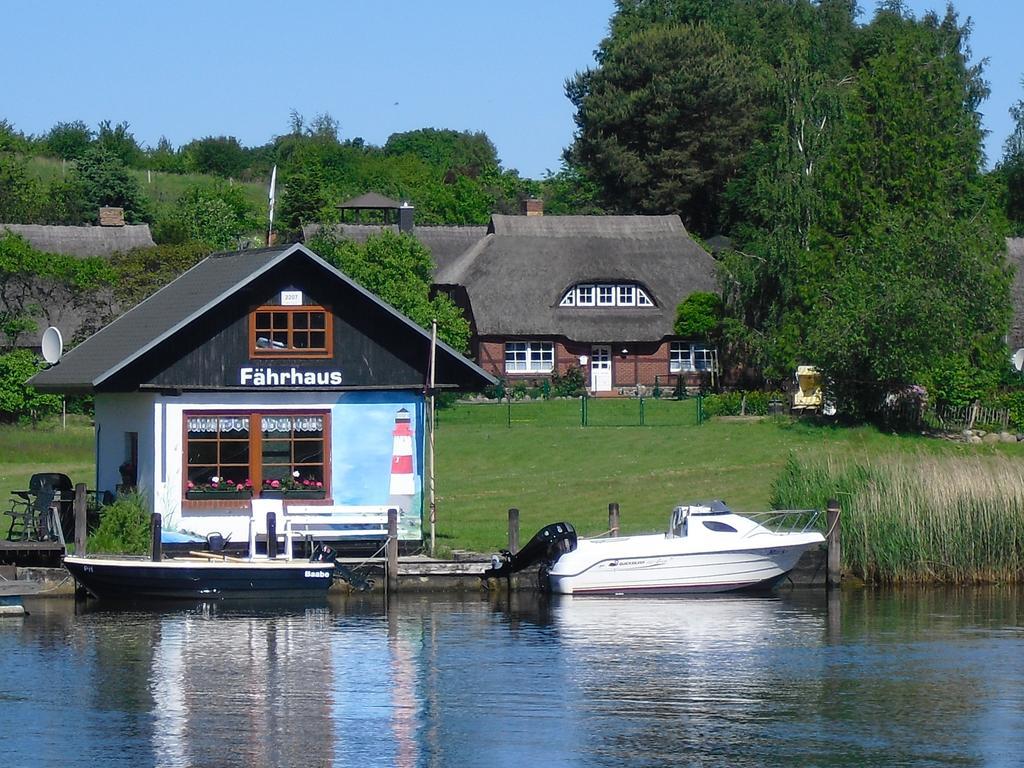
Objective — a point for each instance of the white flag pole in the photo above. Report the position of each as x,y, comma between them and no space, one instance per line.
433,505
270,228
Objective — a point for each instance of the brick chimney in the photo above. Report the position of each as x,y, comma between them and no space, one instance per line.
533,206
111,217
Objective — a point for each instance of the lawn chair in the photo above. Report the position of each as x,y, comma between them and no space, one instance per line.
31,520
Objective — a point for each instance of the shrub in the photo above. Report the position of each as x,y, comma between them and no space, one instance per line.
569,384
124,527
495,391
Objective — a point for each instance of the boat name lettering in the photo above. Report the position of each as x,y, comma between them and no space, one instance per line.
318,574
87,568
294,377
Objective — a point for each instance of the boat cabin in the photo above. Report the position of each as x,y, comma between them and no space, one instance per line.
264,374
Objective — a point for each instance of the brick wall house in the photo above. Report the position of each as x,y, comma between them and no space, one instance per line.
548,293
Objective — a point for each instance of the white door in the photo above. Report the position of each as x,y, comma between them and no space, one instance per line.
601,368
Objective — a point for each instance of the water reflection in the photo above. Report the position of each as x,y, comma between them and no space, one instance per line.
930,677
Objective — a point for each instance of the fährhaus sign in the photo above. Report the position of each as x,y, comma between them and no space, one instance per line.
287,377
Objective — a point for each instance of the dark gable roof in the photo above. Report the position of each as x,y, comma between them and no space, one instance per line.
371,200
171,309
516,275
83,241
445,243
1015,255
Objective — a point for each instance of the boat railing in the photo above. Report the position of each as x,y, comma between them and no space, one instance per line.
787,520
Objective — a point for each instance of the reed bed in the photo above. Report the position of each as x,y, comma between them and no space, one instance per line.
918,518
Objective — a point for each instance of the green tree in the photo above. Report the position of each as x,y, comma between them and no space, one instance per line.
17,399
218,215
699,315
68,141
469,153
663,121
102,179
119,141
1011,168
399,270
22,197
220,156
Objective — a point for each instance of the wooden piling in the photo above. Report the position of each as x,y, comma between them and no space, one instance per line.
271,535
81,519
155,530
392,550
513,530
613,518
832,514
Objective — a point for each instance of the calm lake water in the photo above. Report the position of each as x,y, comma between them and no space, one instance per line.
892,678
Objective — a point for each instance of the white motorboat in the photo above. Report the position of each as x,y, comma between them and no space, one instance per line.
707,548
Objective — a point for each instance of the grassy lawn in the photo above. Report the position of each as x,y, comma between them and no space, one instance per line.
551,468
46,448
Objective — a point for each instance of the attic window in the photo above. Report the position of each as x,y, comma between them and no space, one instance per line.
606,295
290,331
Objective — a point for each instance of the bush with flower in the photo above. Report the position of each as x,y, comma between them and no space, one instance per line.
293,482
216,483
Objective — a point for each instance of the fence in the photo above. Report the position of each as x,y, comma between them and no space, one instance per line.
575,412
913,414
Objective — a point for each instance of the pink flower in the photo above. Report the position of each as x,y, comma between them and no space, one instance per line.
191,485
306,482
231,482
319,484
248,483
275,483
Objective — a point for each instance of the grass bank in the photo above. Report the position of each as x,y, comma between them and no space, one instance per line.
919,518
551,469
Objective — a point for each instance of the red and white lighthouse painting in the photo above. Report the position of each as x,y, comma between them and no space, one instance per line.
403,478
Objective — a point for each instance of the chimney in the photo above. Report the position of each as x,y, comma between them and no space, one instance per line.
405,218
111,217
533,206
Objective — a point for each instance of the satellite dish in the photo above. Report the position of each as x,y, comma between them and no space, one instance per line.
53,345
1018,359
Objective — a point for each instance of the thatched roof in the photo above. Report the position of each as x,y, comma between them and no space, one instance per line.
516,275
371,200
445,243
201,290
83,241
1015,255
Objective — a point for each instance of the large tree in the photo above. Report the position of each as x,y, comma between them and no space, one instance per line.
664,119
1011,169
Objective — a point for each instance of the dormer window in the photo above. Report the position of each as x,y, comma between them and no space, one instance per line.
299,330
606,295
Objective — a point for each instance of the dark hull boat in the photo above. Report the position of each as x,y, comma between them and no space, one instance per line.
200,577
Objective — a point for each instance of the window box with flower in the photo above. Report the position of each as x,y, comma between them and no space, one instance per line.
293,486
219,488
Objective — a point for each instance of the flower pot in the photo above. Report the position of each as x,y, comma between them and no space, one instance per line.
212,495
292,494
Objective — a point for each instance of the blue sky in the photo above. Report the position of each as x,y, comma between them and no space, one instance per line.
190,69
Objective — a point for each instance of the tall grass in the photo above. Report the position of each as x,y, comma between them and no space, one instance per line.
919,518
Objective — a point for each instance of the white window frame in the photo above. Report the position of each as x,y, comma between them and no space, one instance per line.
569,300
585,302
642,299
625,295
606,295
680,357
529,357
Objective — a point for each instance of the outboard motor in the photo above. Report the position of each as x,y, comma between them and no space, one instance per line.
547,545
323,554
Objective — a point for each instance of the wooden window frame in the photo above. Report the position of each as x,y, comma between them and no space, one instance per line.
292,352
255,453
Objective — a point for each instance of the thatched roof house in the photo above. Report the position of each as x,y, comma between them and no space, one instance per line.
83,241
545,293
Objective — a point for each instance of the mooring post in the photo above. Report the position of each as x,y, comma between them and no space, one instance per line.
155,529
834,544
513,530
392,548
81,519
613,518
271,535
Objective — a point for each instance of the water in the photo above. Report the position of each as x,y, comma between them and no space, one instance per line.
896,678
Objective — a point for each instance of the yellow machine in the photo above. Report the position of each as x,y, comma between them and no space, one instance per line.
808,395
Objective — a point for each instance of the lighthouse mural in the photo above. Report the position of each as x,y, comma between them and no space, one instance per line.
403,478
